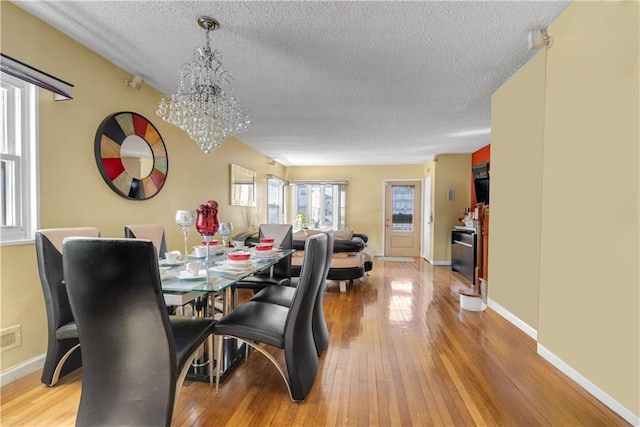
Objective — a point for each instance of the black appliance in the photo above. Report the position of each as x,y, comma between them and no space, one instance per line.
464,242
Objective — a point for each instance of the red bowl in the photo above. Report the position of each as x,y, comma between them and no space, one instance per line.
264,247
266,240
211,243
238,256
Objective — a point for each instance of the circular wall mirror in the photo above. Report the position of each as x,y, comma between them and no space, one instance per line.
136,156
131,155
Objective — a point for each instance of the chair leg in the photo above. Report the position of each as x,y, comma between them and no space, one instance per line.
56,372
219,361
275,363
210,352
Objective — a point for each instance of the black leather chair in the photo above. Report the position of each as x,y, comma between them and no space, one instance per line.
283,295
134,355
61,357
153,232
283,236
288,328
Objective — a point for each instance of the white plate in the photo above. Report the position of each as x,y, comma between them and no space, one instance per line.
164,268
193,255
227,269
186,275
164,275
231,267
243,262
176,264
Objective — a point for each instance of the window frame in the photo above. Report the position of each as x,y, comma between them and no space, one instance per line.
19,150
281,205
338,201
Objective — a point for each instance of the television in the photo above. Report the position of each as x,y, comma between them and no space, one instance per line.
481,182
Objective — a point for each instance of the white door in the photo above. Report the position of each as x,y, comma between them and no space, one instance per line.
403,208
427,219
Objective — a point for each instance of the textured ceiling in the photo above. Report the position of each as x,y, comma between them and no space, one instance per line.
329,83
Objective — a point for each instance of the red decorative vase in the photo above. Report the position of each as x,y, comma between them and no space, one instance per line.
207,222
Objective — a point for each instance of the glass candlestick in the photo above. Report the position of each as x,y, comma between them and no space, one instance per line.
185,219
225,231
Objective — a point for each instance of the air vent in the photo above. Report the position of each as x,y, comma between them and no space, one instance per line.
10,337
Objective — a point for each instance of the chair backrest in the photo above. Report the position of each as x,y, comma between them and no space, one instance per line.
49,255
283,236
128,348
300,348
153,232
319,324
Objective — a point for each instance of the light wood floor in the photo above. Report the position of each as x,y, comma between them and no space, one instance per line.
401,353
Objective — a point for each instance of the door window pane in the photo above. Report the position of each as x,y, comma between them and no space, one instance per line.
402,208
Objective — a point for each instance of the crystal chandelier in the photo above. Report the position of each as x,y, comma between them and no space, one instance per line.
201,107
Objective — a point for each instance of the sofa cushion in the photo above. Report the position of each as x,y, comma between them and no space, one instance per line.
344,234
350,261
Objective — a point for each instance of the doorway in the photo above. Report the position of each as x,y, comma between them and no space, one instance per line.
427,219
403,214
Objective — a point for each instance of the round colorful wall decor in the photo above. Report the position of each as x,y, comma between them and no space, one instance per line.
131,155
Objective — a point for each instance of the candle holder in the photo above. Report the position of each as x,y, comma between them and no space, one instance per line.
185,219
207,224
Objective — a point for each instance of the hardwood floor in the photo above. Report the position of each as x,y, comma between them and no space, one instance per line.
401,353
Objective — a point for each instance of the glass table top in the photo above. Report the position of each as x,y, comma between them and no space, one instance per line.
219,274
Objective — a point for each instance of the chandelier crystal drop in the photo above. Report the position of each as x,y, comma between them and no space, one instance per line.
202,107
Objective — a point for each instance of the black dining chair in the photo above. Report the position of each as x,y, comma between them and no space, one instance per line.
134,355
62,342
287,328
153,232
280,273
283,295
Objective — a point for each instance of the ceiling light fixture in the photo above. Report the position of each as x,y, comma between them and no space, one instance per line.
202,107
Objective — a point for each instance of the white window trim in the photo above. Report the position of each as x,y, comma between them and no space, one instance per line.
283,197
28,209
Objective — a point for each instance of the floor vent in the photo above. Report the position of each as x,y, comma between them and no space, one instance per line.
10,337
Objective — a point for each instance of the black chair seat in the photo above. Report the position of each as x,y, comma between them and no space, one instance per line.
67,331
288,328
282,235
189,333
256,321
280,295
257,283
284,295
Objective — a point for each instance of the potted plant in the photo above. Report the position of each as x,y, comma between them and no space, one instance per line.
303,221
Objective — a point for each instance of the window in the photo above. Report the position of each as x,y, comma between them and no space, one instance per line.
319,205
18,172
402,209
275,200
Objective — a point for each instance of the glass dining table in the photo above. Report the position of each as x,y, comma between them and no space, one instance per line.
215,282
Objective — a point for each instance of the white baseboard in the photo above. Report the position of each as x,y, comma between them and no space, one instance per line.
22,370
434,262
519,323
590,387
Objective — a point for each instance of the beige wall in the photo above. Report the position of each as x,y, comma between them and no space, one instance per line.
589,226
517,127
589,278
365,192
448,172
73,193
